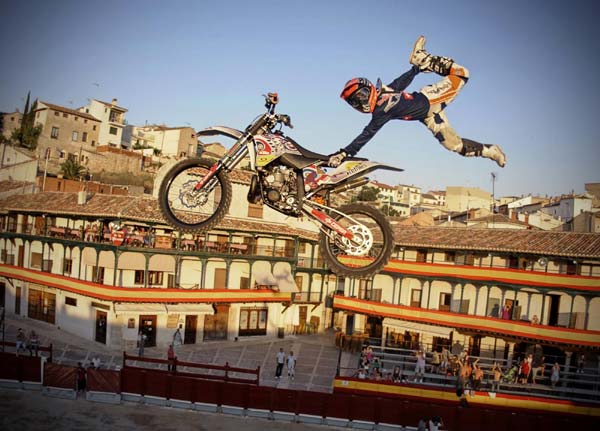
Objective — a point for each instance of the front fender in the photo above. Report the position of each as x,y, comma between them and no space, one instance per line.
221,130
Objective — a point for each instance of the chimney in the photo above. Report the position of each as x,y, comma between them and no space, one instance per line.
114,101
81,197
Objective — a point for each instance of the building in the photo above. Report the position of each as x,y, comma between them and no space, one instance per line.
409,195
105,267
465,198
166,141
9,121
112,119
567,207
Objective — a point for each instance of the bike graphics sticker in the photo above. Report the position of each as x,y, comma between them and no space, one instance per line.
271,146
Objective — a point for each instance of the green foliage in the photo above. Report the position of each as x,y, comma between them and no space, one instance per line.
27,135
367,194
388,210
71,169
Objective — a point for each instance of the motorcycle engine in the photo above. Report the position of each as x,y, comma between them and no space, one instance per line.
279,188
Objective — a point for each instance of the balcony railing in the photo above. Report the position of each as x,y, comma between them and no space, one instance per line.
157,241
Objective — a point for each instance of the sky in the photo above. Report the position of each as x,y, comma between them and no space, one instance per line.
533,89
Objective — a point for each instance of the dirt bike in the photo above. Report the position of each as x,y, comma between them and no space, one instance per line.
354,239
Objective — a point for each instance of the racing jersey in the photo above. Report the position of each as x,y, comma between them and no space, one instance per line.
392,105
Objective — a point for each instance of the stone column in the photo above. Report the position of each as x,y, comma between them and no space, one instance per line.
510,353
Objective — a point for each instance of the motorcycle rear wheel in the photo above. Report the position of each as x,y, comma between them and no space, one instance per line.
190,210
367,258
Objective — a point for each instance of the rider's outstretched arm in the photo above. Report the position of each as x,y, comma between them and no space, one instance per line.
404,80
368,132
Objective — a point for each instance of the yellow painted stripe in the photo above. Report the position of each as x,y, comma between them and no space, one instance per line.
457,320
511,276
482,398
126,294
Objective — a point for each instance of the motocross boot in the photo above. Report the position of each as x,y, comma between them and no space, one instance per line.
472,148
427,62
495,153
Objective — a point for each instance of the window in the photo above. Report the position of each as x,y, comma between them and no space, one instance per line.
84,121
76,118
84,137
255,211
112,131
449,256
155,278
244,283
415,298
54,133
421,255
75,136
36,260
253,321
56,113
93,143
71,301
65,115
98,274
94,127
67,266
445,301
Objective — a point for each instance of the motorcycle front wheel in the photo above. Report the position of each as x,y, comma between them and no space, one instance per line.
188,209
371,247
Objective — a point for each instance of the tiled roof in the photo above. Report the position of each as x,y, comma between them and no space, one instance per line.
497,218
541,243
68,111
143,209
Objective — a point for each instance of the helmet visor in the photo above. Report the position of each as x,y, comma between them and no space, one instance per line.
360,99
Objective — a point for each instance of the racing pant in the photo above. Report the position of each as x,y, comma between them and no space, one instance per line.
440,95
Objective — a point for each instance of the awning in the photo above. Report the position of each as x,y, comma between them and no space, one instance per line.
134,308
190,308
405,325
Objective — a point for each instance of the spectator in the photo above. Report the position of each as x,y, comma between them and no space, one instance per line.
96,362
376,365
361,374
177,339
497,371
81,378
435,362
495,310
581,363
34,343
445,360
21,341
555,376
141,343
535,320
477,376
291,365
435,423
397,374
422,425
280,362
538,364
420,367
171,358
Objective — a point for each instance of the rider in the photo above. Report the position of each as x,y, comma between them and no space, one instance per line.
427,105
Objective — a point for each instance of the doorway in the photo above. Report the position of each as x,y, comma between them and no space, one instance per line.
374,327
101,326
215,326
349,324
191,324
554,307
148,328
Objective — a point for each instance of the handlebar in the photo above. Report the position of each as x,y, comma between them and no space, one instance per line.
272,99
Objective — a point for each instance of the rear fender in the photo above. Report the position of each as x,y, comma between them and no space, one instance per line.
351,169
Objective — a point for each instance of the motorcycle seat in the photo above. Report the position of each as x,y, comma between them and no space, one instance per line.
307,154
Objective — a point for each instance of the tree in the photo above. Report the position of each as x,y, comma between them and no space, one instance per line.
71,169
27,135
368,194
